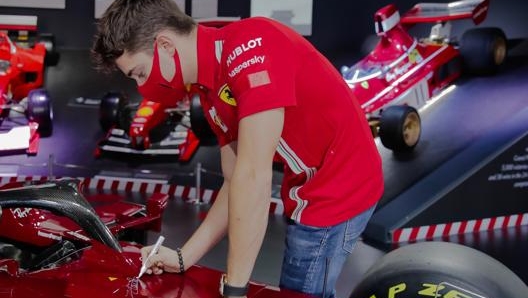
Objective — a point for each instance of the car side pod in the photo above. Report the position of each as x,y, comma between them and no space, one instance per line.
155,206
189,147
439,269
10,266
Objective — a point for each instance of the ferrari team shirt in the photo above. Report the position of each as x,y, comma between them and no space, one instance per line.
332,167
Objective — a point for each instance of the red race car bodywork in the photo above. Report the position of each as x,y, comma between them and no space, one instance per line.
80,256
402,74
21,96
42,228
147,129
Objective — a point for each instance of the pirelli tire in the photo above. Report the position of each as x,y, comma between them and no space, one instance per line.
483,50
400,128
40,110
52,56
439,269
115,111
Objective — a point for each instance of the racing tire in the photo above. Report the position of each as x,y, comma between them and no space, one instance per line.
114,111
52,56
439,269
483,50
199,124
400,128
125,115
40,110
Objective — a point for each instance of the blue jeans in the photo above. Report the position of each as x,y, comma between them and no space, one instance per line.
314,256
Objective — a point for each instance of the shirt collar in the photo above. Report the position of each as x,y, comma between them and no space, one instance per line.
209,50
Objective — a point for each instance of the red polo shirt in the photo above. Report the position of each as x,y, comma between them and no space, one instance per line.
332,167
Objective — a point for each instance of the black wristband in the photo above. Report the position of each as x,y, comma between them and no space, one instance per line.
227,290
180,259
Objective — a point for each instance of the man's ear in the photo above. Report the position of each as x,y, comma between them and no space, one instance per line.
165,43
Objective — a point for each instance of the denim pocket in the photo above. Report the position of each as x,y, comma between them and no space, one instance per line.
303,259
306,240
354,227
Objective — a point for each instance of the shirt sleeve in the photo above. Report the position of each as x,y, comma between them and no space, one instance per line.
260,68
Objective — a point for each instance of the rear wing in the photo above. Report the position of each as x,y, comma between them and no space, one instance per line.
475,10
20,28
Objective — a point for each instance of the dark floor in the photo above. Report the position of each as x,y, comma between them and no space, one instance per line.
466,115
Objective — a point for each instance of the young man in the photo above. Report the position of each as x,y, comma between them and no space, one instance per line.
267,93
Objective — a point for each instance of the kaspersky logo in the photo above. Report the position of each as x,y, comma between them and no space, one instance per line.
226,96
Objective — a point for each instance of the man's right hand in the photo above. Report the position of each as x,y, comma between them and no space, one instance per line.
166,260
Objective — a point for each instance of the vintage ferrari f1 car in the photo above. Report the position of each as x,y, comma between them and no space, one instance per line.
147,128
402,74
25,108
80,256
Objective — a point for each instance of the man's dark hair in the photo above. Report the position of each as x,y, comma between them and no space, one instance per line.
132,25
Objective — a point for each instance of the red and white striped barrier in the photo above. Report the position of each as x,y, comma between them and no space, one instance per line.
141,186
6,180
18,22
431,232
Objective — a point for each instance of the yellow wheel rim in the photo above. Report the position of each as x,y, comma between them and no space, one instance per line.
499,51
411,129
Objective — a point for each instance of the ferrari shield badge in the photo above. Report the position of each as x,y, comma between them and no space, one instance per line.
226,95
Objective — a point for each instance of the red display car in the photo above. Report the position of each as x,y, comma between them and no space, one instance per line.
54,244
25,107
403,74
145,128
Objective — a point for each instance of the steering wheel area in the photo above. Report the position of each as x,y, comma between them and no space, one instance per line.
59,253
31,258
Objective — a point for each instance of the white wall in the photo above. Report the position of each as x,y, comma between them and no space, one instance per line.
34,3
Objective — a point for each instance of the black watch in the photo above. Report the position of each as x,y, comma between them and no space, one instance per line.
227,290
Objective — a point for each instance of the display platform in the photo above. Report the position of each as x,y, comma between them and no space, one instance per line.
466,180
481,188
474,132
